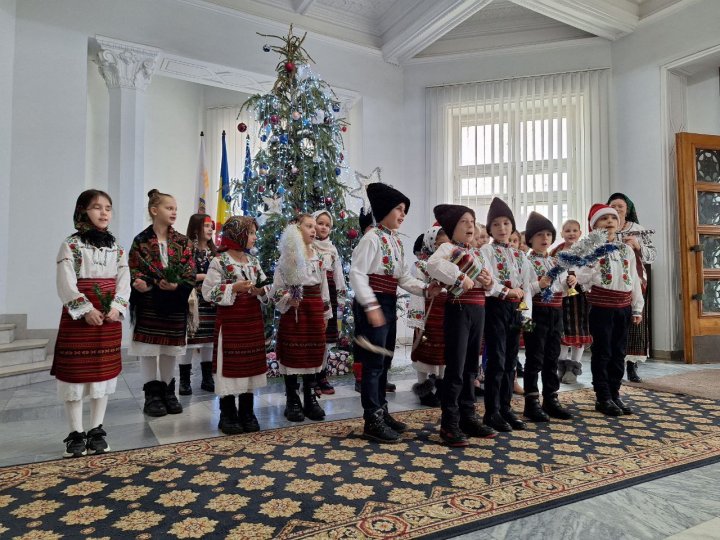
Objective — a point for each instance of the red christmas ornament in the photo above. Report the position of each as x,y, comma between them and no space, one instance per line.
352,234
289,67
343,129
261,189
342,156
274,119
242,127
328,201
342,214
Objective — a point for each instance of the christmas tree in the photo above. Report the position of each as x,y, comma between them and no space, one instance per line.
300,162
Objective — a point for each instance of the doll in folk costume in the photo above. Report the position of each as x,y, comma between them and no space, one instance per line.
336,287
235,283
426,317
300,291
93,283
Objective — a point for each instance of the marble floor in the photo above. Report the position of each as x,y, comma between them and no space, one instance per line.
682,506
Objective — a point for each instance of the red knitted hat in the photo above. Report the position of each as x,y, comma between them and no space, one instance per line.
598,210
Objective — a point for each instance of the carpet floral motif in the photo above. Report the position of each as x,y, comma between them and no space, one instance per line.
322,481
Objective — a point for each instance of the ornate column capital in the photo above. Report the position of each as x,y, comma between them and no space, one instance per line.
123,64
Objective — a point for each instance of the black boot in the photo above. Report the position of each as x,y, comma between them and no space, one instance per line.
207,384
608,408
154,402
184,389
533,411
632,374
519,370
424,391
172,405
229,423
472,426
377,430
248,420
622,406
453,436
552,406
512,419
497,422
323,384
293,405
395,425
311,407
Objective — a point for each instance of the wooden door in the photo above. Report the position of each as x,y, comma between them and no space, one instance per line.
698,168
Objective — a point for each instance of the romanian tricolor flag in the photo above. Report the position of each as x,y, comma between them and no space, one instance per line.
223,205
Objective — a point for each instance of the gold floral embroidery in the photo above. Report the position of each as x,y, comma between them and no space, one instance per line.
427,463
86,515
193,527
39,535
354,491
84,488
279,465
177,498
299,451
130,493
405,495
5,500
324,469
251,531
418,477
209,478
256,482
40,483
280,508
340,455
165,475
369,473
138,521
304,486
228,503
36,509
240,462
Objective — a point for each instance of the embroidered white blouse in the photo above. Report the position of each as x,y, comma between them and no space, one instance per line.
541,265
77,260
223,272
439,266
510,268
380,251
314,275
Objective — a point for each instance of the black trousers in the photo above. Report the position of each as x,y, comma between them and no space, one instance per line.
375,366
463,326
609,330
542,351
502,342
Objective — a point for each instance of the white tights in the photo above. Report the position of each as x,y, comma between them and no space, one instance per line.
149,366
573,353
74,410
422,376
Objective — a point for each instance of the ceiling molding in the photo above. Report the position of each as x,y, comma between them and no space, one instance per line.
433,18
301,6
599,17
653,13
520,49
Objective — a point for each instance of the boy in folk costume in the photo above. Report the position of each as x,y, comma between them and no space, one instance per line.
93,283
505,312
542,345
463,322
426,317
300,292
336,287
234,283
378,267
615,299
576,332
366,222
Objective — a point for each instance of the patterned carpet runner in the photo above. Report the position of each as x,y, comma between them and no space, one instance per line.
321,480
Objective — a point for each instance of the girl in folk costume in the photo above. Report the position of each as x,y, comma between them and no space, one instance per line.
200,231
615,299
336,286
426,317
506,311
640,240
234,283
93,283
576,333
300,292
542,344
378,267
163,275
463,269
366,222
480,239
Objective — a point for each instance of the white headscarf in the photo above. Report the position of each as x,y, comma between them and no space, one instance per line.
429,239
324,246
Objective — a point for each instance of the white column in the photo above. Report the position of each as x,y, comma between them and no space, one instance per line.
127,69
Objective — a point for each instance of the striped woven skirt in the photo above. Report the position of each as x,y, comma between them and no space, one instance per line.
576,330
243,338
638,342
154,322
84,353
301,344
206,329
331,333
431,349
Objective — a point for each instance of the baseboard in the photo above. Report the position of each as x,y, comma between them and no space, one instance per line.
675,356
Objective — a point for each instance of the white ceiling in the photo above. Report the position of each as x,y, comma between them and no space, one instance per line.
403,30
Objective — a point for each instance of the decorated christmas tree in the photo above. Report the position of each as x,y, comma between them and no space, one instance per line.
299,165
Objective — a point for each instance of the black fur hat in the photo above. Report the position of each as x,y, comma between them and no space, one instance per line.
498,208
448,216
536,223
384,198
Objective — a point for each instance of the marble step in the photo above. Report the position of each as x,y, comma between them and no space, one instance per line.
22,375
23,352
7,333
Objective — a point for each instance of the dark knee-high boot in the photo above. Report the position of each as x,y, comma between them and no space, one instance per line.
246,414
229,423
311,407
207,384
293,405
154,402
184,389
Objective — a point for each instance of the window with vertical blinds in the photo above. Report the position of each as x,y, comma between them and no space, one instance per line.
539,143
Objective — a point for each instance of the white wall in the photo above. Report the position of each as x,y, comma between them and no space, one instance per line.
703,98
638,164
53,122
7,56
